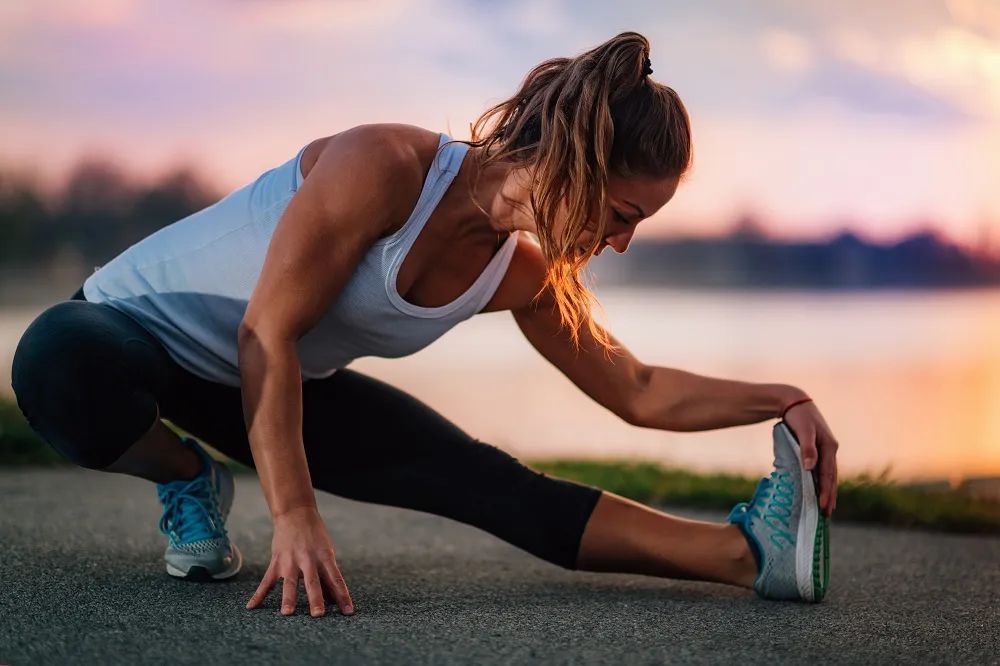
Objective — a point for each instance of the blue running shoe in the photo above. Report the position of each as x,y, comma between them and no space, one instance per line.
787,533
194,520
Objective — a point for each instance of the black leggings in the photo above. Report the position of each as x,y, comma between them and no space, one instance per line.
90,379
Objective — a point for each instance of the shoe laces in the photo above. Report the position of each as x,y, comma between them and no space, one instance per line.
191,510
772,503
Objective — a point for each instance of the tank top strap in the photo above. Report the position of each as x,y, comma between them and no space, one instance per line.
444,167
495,272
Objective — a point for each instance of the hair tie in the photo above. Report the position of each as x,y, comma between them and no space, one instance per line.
647,67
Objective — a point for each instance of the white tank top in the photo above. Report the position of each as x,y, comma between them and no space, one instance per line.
189,282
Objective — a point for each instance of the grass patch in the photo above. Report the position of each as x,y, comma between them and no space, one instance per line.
875,499
19,445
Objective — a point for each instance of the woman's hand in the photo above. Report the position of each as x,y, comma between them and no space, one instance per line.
301,547
818,444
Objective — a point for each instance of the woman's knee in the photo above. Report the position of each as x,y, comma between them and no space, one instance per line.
72,381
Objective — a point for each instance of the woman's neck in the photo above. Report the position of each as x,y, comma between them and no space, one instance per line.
500,188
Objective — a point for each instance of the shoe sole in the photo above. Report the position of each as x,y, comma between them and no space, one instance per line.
202,575
812,550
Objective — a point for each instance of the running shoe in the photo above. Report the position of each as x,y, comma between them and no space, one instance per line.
194,520
788,534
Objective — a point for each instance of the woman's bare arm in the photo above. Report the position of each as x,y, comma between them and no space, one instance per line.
340,209
668,398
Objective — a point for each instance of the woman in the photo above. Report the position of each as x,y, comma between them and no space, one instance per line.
236,324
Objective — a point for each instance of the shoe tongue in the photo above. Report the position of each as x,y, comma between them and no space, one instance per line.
192,522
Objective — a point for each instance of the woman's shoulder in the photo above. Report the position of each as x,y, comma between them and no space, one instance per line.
400,149
384,160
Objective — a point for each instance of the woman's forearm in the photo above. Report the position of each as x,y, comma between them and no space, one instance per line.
683,401
272,407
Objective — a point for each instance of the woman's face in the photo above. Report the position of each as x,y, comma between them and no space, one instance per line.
629,201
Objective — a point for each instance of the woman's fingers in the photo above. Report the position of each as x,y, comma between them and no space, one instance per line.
266,583
290,592
823,476
828,495
828,477
833,495
336,585
809,454
322,580
819,451
314,591
827,469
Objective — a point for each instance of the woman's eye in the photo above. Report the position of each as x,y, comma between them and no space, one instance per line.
621,217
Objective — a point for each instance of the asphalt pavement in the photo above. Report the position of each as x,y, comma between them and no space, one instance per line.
82,581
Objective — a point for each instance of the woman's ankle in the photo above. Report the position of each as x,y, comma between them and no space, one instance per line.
739,557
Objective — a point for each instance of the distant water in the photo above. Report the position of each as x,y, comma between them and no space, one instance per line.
908,380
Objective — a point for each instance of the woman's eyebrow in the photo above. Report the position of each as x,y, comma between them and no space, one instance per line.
639,210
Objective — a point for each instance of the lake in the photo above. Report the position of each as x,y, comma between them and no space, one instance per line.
907,380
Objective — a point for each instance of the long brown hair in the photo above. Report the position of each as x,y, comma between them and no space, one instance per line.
574,121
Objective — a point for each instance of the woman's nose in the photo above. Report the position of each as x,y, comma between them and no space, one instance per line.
620,241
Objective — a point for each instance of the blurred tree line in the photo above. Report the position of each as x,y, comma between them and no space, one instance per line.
54,239
748,258
97,212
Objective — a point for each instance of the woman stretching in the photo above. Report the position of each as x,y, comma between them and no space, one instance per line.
237,322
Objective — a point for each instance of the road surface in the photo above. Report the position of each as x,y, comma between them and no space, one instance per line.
82,581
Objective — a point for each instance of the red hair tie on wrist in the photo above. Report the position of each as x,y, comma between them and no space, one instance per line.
797,402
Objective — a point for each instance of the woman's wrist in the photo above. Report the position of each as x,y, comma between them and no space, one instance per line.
793,404
786,397
298,511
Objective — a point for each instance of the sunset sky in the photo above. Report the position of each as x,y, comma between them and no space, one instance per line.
881,116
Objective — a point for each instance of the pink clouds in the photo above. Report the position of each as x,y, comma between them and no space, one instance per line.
781,98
